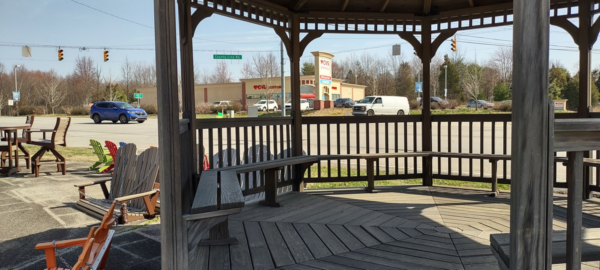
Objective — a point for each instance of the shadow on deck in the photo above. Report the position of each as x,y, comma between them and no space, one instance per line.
402,227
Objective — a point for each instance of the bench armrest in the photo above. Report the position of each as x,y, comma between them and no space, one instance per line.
39,130
135,196
62,244
97,182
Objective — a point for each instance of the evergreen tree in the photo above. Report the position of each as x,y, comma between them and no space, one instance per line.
558,78
454,89
501,92
404,82
307,69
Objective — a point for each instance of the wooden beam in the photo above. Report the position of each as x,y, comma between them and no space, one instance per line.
384,5
531,148
594,32
173,255
568,26
344,5
471,3
285,39
410,38
199,15
297,4
307,39
426,6
296,112
441,38
426,133
574,209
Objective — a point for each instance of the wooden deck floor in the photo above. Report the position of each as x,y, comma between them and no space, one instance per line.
405,227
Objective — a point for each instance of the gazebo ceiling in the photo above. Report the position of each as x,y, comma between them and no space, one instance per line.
379,16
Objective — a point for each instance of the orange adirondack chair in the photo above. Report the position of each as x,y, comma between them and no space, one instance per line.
95,247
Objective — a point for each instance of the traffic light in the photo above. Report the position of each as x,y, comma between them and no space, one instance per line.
60,54
454,44
105,56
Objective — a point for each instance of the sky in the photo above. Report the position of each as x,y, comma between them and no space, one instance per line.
125,28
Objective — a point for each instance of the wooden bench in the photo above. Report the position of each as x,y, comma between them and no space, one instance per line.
218,196
500,245
271,168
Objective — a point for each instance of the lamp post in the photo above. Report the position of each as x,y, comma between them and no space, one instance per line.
445,81
355,78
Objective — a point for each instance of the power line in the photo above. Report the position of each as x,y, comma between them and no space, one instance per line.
121,18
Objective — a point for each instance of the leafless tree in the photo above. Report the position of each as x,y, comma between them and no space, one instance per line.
84,75
502,61
4,91
221,73
126,76
51,91
471,82
436,88
265,67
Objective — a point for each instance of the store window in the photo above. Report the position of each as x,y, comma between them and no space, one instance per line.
335,96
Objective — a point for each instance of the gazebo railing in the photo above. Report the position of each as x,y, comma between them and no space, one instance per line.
227,141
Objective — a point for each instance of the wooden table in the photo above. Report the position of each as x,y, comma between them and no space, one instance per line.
11,130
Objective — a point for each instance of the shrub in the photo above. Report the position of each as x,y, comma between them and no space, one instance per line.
452,104
235,105
65,109
414,105
25,110
504,106
435,106
80,111
203,108
149,108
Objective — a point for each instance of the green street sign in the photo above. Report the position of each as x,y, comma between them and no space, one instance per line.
227,56
137,95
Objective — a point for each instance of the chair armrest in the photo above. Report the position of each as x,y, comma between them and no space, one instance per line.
135,196
97,182
39,130
62,244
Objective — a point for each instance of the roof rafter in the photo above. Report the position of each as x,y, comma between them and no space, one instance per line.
297,4
344,5
426,6
471,3
384,5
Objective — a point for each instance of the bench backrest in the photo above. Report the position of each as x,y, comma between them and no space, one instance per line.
28,121
225,155
146,174
124,171
85,255
59,136
98,150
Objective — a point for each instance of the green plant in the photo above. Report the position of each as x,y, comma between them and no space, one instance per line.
501,92
504,106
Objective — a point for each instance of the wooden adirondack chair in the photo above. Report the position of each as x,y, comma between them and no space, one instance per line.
59,137
131,185
26,155
112,149
95,247
104,156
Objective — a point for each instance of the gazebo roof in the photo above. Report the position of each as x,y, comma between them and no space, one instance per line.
378,17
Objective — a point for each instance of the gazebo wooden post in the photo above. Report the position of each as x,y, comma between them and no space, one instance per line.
426,110
172,224
296,112
585,91
532,144
189,158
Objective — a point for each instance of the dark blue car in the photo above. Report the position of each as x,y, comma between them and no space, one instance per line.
116,111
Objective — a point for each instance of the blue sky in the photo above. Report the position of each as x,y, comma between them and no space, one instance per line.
66,23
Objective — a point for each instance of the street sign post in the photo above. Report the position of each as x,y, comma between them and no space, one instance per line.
419,87
227,56
138,95
10,102
17,96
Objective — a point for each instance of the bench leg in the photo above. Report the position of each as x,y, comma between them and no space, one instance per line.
495,191
270,188
370,176
219,235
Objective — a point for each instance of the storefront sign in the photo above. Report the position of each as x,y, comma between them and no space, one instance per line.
325,77
325,66
560,104
334,88
325,81
265,87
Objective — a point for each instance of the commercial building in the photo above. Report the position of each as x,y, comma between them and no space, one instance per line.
320,88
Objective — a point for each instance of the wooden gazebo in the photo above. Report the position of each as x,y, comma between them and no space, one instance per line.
531,147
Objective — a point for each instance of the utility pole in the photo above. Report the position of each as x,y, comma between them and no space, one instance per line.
445,81
282,83
355,78
17,88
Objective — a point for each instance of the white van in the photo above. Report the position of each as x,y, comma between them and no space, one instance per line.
381,105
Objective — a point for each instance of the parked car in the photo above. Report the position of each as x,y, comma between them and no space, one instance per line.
381,105
304,105
437,100
343,103
263,106
218,104
116,111
480,104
